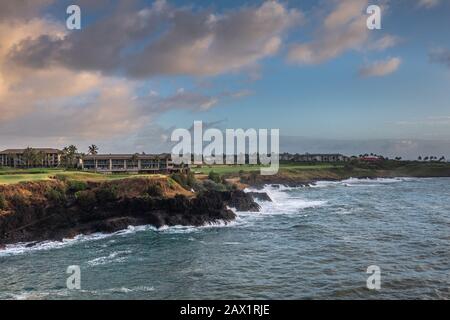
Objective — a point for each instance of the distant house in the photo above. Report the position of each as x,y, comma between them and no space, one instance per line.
15,158
309,157
370,158
130,163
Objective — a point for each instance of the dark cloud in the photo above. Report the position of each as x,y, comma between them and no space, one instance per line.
441,56
21,9
163,39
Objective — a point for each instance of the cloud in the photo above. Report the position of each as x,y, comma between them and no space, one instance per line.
43,97
384,43
343,29
22,9
440,56
380,68
429,121
428,3
406,148
179,41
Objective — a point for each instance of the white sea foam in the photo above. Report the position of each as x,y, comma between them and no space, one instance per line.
64,293
114,257
29,247
360,182
283,201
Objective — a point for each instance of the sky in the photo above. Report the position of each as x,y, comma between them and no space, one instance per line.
139,69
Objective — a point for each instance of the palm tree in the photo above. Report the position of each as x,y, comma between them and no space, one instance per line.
40,158
69,155
29,156
93,150
135,159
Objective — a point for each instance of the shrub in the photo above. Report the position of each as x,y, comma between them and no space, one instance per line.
61,177
55,196
19,201
3,203
155,190
171,183
86,199
187,181
215,177
213,186
180,179
190,179
75,186
106,194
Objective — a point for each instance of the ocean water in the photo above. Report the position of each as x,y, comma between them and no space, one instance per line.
309,243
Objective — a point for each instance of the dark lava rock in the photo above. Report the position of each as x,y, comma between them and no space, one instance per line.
41,221
241,201
262,196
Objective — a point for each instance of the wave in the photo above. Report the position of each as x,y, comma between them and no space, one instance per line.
29,247
284,201
360,182
64,293
114,257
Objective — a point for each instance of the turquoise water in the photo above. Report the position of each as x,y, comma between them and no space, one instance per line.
310,243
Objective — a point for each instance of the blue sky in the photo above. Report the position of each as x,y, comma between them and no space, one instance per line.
309,68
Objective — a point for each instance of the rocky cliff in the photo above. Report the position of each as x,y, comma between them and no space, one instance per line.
53,210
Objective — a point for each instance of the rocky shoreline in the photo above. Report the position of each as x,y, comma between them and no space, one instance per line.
36,212
54,210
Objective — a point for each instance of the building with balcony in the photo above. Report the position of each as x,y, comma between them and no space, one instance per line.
42,157
130,163
309,157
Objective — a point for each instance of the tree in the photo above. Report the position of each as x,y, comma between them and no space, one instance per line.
39,158
419,158
134,159
93,150
69,156
442,159
29,156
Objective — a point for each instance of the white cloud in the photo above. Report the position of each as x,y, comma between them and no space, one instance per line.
184,41
344,29
428,3
380,68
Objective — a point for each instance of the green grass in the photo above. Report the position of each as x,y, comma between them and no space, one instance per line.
233,169
10,176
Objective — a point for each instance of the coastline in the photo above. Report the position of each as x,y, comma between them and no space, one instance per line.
295,178
56,210
53,210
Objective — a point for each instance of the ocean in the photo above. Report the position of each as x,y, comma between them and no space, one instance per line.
313,242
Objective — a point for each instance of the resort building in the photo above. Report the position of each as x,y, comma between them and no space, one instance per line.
39,157
130,163
309,157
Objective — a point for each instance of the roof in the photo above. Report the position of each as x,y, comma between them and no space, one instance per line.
322,155
20,151
125,156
